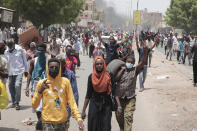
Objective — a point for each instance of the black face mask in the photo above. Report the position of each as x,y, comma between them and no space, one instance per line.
53,72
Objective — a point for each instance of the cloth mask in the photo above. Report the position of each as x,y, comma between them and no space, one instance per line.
129,65
53,72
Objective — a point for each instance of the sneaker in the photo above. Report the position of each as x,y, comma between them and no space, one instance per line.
141,90
17,107
39,125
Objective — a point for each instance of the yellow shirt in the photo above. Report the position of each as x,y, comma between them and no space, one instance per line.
52,112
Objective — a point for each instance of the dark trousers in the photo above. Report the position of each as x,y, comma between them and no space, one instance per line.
178,55
195,71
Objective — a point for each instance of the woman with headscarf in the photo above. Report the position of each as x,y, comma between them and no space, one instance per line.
98,93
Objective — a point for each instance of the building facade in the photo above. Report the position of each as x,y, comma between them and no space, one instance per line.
91,14
151,20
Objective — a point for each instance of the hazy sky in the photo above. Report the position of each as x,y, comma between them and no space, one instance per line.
123,6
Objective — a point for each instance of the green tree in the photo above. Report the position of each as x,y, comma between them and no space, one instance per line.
182,14
46,12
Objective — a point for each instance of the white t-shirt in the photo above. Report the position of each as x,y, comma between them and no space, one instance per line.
66,42
19,31
150,44
58,41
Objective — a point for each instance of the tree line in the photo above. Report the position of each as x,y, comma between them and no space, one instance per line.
182,14
46,12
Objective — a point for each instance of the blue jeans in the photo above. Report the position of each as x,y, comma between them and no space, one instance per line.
15,83
142,76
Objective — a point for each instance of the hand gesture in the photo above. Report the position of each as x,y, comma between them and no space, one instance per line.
45,85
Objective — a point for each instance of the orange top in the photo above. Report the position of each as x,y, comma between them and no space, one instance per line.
101,81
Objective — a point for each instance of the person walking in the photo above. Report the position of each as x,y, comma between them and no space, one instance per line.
54,48
37,71
143,73
150,54
17,65
187,51
170,47
70,75
194,52
56,93
98,94
71,60
126,85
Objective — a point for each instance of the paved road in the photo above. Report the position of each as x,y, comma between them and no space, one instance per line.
166,104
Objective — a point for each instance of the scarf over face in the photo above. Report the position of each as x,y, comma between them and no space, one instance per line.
101,81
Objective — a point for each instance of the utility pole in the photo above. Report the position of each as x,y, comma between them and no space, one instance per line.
137,10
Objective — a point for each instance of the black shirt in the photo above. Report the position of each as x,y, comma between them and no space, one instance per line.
194,51
111,50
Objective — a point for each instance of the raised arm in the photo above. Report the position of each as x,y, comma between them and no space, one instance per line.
126,40
137,44
100,39
155,42
144,59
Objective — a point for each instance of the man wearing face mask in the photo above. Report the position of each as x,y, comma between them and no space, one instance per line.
17,65
3,64
37,71
56,93
125,90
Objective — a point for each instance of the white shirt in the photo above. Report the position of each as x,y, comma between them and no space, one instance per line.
12,30
66,42
150,44
17,62
58,41
19,31
165,41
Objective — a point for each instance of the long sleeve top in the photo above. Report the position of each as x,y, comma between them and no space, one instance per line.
53,111
17,62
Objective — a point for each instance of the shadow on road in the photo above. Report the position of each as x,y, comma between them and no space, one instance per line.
25,107
22,107
8,129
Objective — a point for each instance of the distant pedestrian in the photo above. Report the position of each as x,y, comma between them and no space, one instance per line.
17,65
71,60
54,48
143,73
187,51
170,47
